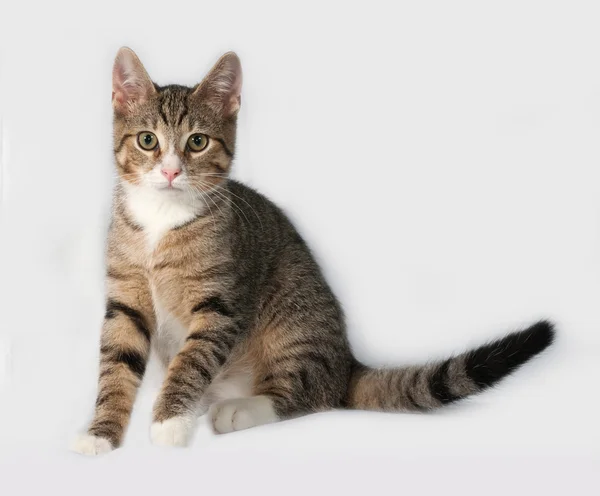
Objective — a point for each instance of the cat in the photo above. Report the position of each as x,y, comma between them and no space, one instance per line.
217,280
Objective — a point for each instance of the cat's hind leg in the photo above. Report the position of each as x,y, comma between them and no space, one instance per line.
296,378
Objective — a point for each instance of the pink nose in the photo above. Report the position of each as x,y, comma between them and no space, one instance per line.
171,174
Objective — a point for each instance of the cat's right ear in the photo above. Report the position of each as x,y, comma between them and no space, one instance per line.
131,84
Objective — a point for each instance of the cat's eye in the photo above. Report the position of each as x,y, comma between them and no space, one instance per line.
197,142
147,140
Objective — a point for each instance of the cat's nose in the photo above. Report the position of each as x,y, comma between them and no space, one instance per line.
170,174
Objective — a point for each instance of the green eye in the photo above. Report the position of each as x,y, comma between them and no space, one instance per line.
147,140
197,142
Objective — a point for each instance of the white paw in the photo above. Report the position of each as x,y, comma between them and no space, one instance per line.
175,431
86,444
242,413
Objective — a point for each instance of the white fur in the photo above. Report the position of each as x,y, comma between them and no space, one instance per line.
242,413
86,444
157,209
171,162
234,382
170,334
175,431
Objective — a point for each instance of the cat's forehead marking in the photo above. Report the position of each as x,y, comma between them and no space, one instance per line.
173,105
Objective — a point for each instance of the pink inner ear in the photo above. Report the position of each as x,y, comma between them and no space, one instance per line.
235,103
222,87
131,84
118,97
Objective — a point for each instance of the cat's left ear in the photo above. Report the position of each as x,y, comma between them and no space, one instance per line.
131,84
222,87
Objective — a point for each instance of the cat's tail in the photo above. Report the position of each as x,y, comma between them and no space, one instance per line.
431,386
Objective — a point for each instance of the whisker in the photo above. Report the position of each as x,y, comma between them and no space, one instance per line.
190,189
251,207
212,189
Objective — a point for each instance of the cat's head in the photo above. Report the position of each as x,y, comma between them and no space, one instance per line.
173,139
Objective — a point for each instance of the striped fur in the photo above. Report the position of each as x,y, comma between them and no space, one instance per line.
438,384
215,277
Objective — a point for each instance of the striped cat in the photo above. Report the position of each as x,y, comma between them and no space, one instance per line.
215,278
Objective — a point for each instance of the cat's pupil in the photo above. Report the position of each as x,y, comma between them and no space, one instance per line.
197,140
148,139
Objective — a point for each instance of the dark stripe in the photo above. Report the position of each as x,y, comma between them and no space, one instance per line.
163,115
201,336
184,112
227,150
112,307
221,358
301,357
162,265
179,396
316,357
230,331
195,363
214,349
105,373
218,166
122,142
225,336
412,387
181,381
278,300
108,424
114,274
303,375
103,398
438,385
201,369
275,319
412,401
133,360
213,304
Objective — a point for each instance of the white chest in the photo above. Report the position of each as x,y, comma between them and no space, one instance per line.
159,211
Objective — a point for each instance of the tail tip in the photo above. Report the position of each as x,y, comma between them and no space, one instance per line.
490,363
540,336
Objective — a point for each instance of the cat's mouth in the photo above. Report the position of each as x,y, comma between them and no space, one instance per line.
171,188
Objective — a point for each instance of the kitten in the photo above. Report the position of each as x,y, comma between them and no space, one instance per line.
215,278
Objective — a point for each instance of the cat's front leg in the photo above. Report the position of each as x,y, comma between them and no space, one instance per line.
213,333
125,346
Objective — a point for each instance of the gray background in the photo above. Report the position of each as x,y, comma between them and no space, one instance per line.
442,158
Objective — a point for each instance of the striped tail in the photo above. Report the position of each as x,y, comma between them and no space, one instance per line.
433,385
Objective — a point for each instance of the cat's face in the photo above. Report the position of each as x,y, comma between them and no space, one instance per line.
174,140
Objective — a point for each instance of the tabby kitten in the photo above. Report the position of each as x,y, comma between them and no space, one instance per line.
215,278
